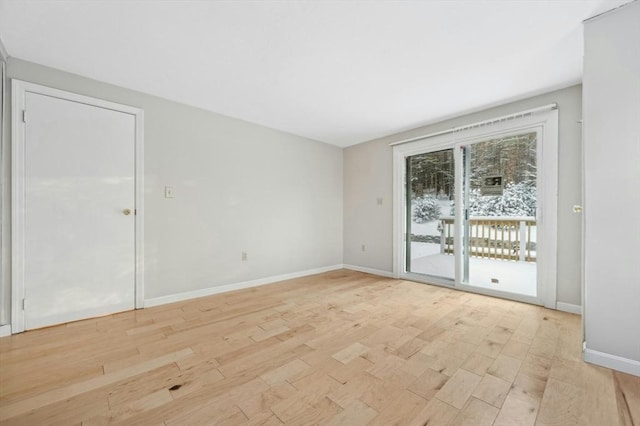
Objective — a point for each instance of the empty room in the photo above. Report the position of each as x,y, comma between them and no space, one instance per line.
306,212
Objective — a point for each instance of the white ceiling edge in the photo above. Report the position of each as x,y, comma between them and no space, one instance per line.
166,99
419,129
413,128
416,127
606,8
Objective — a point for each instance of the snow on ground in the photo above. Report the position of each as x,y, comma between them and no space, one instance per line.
431,228
512,277
423,249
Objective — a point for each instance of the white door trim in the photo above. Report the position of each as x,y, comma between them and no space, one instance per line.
19,89
547,123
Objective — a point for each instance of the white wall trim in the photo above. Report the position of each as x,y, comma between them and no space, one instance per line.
179,297
480,123
614,362
139,209
19,89
372,271
4,193
5,330
569,307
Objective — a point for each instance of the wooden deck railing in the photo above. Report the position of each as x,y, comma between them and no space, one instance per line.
511,238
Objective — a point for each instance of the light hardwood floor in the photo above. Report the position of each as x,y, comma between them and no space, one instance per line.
341,348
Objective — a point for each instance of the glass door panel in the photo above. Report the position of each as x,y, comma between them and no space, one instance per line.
500,202
430,216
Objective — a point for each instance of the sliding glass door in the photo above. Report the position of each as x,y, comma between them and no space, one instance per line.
430,183
499,205
498,179
468,209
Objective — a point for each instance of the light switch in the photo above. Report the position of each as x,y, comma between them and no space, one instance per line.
168,192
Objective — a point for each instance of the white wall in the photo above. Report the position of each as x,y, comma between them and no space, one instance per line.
4,209
612,188
368,175
239,187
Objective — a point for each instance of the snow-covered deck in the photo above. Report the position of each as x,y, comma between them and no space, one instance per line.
512,276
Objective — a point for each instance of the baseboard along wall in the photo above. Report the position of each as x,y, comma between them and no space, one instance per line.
179,297
568,307
369,270
614,362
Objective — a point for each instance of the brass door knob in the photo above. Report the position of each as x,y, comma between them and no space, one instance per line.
126,212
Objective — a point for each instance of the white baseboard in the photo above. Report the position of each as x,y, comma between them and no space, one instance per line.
179,297
614,362
5,330
568,307
369,270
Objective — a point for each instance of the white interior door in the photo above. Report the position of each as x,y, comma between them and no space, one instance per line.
78,211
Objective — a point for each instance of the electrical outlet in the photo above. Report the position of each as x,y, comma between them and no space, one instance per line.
168,192
379,201
364,248
244,255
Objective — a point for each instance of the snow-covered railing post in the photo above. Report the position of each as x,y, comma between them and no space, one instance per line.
492,237
441,227
522,244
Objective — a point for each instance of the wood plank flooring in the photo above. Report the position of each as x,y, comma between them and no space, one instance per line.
340,348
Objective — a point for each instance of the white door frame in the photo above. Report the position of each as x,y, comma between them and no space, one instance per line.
546,125
19,89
